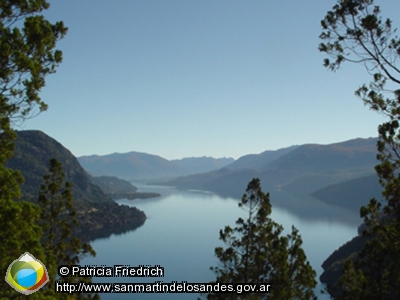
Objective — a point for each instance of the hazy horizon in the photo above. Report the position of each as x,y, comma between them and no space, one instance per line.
221,157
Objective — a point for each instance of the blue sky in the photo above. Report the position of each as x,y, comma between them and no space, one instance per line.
187,78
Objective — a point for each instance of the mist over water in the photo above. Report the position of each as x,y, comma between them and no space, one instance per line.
182,230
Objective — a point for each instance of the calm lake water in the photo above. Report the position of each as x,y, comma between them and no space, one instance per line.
182,230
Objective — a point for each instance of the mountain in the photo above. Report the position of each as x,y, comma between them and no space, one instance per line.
351,194
299,169
33,151
258,161
98,214
112,185
357,154
194,165
120,189
130,166
143,166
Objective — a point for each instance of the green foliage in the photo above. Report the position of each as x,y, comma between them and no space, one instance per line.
19,234
257,252
58,219
27,55
355,32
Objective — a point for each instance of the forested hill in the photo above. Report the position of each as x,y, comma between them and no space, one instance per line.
118,188
98,214
33,151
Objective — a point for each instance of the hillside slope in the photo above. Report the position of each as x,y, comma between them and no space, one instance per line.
351,194
33,151
98,214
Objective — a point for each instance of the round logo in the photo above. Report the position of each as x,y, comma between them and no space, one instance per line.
27,274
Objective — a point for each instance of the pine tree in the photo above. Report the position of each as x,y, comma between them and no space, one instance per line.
58,220
354,31
257,252
375,273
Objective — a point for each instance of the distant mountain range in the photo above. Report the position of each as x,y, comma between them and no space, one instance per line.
142,166
340,173
258,161
303,169
194,165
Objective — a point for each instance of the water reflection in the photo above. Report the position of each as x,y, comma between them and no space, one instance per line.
182,228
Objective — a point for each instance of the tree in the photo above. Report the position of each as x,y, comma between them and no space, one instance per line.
354,31
58,220
27,56
257,253
20,233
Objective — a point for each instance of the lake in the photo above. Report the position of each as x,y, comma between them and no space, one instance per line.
182,230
